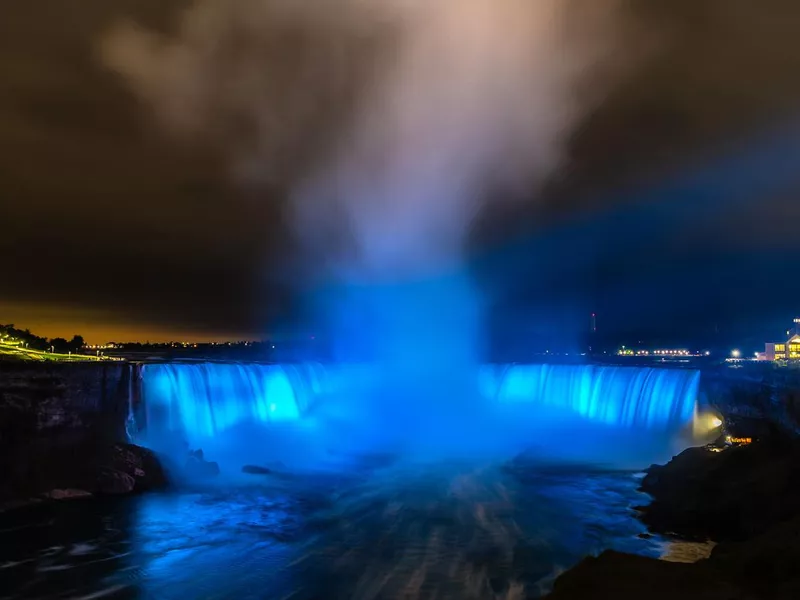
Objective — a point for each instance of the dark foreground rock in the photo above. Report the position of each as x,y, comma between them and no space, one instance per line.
629,577
767,563
81,470
746,498
725,496
764,567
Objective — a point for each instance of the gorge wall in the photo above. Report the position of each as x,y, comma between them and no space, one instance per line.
50,410
765,394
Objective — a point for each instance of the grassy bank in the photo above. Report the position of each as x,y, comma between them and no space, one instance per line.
17,352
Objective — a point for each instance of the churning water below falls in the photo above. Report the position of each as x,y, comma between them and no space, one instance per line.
358,525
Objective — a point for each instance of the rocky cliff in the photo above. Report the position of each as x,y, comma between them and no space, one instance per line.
765,392
62,430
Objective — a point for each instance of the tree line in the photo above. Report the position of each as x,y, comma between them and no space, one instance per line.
36,342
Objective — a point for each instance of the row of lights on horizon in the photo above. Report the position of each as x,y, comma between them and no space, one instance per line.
630,352
736,354
115,345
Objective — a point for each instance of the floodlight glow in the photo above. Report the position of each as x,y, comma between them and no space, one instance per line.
706,426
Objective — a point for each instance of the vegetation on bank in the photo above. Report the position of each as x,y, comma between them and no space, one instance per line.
9,334
21,344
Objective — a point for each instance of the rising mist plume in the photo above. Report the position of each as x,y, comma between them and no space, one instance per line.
391,123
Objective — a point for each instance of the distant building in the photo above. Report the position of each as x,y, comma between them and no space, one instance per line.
788,350
676,353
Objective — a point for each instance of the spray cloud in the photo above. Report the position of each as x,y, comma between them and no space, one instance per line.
391,122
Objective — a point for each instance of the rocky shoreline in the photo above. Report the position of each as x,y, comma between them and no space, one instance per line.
81,470
746,499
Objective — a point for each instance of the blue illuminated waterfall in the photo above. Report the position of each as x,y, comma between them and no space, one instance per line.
205,399
626,397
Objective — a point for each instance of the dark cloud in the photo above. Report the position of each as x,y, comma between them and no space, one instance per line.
99,209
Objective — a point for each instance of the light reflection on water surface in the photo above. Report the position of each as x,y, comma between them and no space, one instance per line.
446,531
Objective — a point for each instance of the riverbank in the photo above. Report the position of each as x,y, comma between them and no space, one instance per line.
19,353
747,499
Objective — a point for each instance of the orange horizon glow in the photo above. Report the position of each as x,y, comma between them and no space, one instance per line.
100,328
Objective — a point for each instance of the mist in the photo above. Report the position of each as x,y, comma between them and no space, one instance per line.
392,126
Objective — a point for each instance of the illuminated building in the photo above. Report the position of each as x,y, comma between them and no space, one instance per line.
677,353
788,350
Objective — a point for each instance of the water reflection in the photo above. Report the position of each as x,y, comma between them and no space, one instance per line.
446,530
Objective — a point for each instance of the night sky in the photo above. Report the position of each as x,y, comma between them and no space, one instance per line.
676,214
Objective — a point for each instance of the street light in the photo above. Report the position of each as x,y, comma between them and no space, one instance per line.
736,354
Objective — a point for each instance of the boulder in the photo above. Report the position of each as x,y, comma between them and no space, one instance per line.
139,463
85,469
125,468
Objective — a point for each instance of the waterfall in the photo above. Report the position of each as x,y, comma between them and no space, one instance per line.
204,399
130,420
626,397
